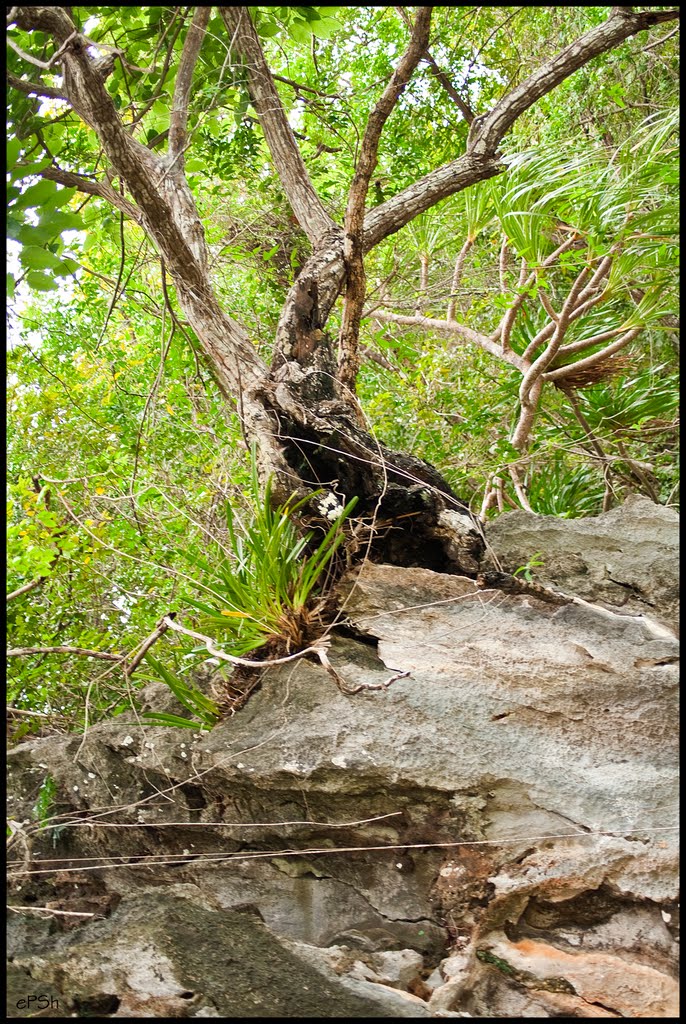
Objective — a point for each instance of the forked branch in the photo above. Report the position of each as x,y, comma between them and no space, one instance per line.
353,253
290,166
178,123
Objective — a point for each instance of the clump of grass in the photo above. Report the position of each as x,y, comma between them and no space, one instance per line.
263,595
204,710
267,589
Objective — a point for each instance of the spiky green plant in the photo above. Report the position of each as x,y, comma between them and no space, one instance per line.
266,587
204,710
266,591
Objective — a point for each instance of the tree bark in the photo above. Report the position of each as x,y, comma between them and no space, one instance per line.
302,415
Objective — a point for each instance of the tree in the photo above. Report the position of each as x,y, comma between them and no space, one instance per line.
128,128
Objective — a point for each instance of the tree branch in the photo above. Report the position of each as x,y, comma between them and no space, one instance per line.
504,328
22,652
579,346
487,131
27,57
300,87
561,324
34,88
25,588
464,109
389,217
440,76
348,361
481,159
290,167
167,209
455,328
93,188
182,89
457,277
598,357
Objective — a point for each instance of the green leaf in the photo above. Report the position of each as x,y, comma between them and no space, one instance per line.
13,151
13,228
44,803
267,29
25,170
35,258
61,220
40,282
159,718
36,195
326,28
300,31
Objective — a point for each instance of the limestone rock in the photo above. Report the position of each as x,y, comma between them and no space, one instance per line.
491,835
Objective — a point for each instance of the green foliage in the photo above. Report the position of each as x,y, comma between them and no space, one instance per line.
205,711
526,571
44,803
261,587
108,393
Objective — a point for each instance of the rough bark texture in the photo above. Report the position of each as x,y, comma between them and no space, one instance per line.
303,412
492,836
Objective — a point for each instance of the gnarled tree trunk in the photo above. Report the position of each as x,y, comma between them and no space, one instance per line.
302,411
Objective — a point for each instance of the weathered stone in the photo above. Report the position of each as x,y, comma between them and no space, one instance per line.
165,956
508,805
609,981
627,557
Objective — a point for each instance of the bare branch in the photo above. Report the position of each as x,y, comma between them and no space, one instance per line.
597,357
561,325
455,328
602,270
535,343
457,277
26,588
579,346
504,328
493,495
300,87
389,217
527,415
93,188
160,629
288,161
348,363
661,40
544,299
22,652
182,89
519,487
486,132
27,57
440,76
34,88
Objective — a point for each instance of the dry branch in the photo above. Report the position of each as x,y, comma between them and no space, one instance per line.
288,161
184,77
22,652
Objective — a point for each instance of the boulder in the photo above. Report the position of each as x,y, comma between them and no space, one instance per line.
486,828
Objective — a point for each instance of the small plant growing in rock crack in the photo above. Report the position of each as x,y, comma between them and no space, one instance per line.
205,711
44,801
526,571
264,595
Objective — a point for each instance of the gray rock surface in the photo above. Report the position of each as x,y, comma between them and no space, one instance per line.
491,835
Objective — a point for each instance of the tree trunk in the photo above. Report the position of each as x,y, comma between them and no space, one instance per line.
302,412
